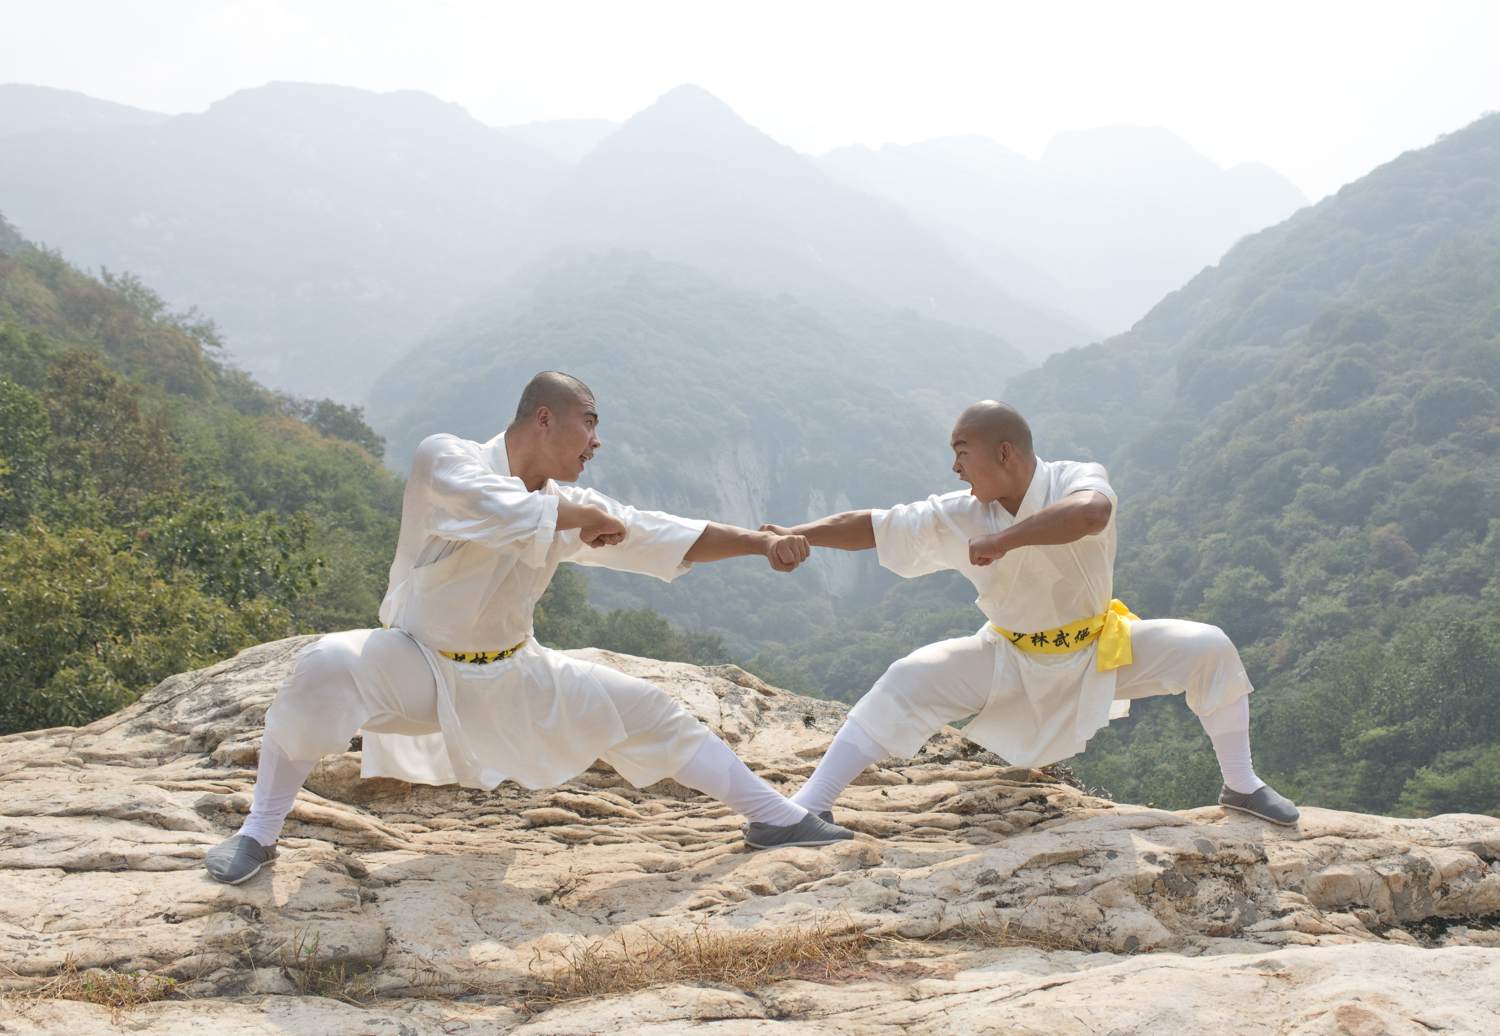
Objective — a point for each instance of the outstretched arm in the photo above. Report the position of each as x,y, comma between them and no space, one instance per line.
1071,518
850,530
785,551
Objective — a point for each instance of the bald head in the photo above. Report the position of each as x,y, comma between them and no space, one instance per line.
556,391
990,423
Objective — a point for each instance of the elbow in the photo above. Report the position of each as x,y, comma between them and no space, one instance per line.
1097,513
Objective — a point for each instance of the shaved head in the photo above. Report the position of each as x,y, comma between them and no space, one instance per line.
554,390
991,423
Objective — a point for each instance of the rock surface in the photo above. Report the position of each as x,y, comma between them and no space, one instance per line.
991,898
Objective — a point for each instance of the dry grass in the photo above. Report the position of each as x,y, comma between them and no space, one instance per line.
998,933
117,990
743,960
315,975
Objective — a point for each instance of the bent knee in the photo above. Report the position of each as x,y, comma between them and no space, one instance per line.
330,657
905,675
1208,645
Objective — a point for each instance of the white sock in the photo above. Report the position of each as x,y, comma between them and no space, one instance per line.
277,781
715,770
1229,730
852,750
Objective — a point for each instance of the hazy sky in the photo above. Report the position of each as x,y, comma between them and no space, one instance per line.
1322,91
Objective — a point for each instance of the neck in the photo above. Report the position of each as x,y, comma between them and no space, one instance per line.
1012,500
521,455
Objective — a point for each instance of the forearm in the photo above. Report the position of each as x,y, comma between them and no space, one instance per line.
727,541
851,530
1071,518
575,516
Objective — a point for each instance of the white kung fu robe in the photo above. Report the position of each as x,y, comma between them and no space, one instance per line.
1063,699
475,553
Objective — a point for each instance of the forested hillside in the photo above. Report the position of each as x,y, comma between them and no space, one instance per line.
159,510
1307,443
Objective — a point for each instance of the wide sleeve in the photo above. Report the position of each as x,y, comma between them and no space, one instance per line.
917,538
654,544
468,501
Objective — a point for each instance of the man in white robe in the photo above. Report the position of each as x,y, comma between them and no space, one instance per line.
456,689
1057,658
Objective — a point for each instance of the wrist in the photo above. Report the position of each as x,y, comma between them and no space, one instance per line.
1005,539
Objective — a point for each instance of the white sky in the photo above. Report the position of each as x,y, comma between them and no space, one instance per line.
1321,91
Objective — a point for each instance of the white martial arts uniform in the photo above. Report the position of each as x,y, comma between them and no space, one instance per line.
476,551
1030,709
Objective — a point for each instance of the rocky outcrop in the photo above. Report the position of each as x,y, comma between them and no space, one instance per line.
983,897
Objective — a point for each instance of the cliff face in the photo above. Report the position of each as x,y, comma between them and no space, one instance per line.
979,897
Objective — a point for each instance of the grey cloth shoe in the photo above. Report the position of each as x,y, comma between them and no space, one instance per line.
1264,803
810,830
237,859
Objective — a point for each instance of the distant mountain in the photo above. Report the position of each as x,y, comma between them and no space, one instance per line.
689,180
1111,219
1141,395
325,228
40,109
716,402
567,140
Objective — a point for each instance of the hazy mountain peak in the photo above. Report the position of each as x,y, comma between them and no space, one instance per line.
690,98
38,109
692,109
690,133
318,102
1134,144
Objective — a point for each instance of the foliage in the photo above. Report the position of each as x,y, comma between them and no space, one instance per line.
158,511
1333,504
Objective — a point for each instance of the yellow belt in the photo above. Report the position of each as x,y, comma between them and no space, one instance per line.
482,657
479,657
1111,631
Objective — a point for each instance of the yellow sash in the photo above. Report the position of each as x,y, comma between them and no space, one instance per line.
477,657
1110,630
482,657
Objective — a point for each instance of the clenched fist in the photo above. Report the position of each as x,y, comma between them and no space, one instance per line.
602,529
785,550
985,549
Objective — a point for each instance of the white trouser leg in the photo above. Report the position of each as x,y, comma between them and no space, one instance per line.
921,693
342,682
715,770
345,682
1229,730
852,750
277,781
1178,656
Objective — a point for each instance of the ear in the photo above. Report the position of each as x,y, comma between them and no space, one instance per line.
544,416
